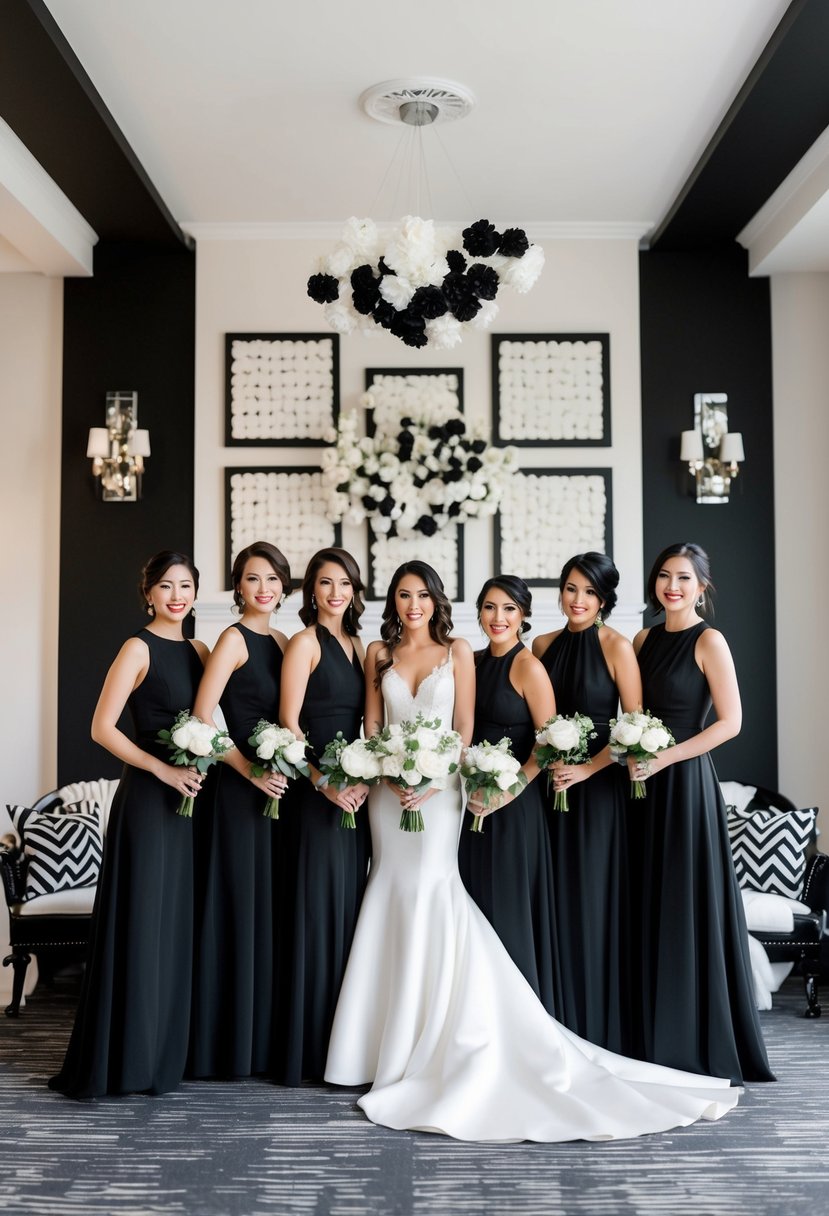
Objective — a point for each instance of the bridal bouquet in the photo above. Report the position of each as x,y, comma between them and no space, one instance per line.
195,744
640,735
416,755
490,769
280,752
343,764
563,738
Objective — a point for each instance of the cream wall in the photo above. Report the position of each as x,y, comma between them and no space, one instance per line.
258,285
31,344
800,345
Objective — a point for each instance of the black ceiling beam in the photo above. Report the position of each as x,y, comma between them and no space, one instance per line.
51,104
776,117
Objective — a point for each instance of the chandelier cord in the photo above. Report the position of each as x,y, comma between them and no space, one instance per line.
451,163
374,209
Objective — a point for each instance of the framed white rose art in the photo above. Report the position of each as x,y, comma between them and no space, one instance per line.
547,515
443,551
551,390
281,389
286,506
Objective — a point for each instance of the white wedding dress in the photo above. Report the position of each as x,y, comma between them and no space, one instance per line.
436,1015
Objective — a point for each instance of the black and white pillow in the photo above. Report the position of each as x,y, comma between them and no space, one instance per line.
769,848
20,815
63,849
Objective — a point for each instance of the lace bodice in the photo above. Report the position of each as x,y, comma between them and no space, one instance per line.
434,698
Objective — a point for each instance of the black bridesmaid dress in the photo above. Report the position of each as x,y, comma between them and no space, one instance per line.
697,997
132,1025
324,869
233,980
506,867
590,859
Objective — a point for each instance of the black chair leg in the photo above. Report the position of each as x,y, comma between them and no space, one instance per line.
812,1007
20,963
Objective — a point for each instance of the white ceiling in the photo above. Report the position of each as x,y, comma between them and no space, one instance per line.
588,111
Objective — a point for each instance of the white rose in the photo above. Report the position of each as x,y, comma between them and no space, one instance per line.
294,753
181,737
391,767
411,776
563,735
201,739
427,737
505,780
627,734
654,739
266,749
485,762
433,765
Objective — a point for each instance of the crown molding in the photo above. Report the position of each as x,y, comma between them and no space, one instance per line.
36,217
796,195
322,230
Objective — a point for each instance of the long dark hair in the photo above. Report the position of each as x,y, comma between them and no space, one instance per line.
440,626
275,557
702,569
600,571
516,589
158,565
308,612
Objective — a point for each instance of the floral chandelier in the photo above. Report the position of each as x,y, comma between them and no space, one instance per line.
423,284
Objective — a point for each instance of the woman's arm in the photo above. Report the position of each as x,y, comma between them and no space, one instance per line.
464,663
126,673
374,718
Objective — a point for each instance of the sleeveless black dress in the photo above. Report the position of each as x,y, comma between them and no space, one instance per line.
233,981
506,868
697,998
590,859
131,1028
323,873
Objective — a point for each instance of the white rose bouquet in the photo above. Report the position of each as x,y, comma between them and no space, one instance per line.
489,770
195,744
563,738
640,735
343,763
280,752
416,755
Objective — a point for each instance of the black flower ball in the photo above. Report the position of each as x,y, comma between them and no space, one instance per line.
478,446
363,278
426,525
428,302
456,260
387,505
323,288
460,297
384,269
453,509
368,503
365,300
514,243
481,239
483,281
473,464
384,313
408,328
453,475
455,426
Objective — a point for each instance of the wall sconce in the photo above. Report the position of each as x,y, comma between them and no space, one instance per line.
117,450
712,452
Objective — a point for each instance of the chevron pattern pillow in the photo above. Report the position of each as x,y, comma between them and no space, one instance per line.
20,815
769,848
64,850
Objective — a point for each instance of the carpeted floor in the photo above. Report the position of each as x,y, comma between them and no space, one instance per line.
250,1149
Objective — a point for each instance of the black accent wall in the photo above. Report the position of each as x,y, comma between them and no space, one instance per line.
706,327
132,326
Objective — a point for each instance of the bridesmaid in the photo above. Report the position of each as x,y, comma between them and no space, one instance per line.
697,999
131,1028
506,868
325,865
592,669
233,979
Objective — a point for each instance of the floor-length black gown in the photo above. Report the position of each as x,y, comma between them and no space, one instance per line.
697,998
590,858
323,875
506,868
233,980
133,1019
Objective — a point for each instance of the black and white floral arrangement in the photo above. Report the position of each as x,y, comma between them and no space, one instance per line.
422,284
422,470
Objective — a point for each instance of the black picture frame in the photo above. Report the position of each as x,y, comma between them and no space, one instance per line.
372,372
420,549
605,473
500,440
278,441
280,542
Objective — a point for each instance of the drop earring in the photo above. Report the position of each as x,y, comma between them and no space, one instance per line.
313,601
399,628
150,609
701,601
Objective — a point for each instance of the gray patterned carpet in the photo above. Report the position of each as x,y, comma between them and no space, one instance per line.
249,1149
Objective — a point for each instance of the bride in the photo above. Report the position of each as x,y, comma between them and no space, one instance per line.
432,1010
